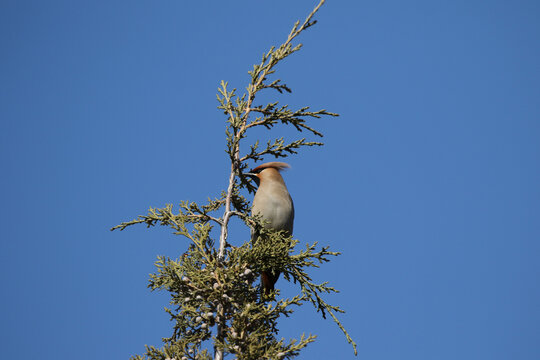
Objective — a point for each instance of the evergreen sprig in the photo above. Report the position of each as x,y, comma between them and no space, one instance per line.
216,298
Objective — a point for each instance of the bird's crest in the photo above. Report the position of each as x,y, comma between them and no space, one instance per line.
274,164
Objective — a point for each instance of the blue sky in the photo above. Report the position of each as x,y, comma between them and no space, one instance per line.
428,182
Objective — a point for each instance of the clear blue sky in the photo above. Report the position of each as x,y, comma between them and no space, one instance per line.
429,183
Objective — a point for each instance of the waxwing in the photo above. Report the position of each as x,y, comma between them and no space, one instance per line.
274,204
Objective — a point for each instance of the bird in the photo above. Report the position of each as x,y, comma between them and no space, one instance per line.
274,204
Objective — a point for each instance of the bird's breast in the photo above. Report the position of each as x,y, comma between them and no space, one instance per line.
275,207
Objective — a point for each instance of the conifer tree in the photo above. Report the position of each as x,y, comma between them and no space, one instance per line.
217,306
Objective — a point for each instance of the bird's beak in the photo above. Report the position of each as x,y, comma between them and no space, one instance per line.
254,177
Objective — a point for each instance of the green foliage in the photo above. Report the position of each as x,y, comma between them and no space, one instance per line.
216,298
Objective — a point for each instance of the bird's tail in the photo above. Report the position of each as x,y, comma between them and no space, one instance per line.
268,279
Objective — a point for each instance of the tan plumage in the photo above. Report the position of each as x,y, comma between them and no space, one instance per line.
274,203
